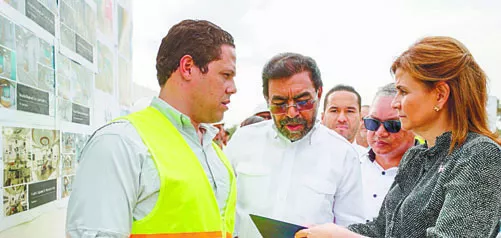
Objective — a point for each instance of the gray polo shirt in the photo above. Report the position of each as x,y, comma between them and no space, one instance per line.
117,181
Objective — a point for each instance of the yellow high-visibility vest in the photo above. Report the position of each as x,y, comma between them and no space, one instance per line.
186,205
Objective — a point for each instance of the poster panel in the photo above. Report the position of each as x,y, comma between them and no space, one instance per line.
41,12
124,32
104,77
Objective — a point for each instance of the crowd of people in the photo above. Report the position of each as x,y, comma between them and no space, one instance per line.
419,161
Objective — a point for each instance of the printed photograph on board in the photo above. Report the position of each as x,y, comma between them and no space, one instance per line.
69,164
80,141
7,37
124,32
105,17
16,151
45,78
66,184
15,200
46,154
64,74
7,64
7,94
64,109
68,143
81,84
104,77
63,87
26,49
68,37
46,54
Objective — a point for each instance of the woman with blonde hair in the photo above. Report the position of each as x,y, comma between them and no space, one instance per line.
451,185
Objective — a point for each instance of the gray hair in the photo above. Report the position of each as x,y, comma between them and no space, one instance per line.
387,90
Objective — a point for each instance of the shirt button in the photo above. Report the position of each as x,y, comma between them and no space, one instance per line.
367,220
374,195
383,173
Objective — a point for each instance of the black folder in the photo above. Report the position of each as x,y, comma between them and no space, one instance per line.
271,228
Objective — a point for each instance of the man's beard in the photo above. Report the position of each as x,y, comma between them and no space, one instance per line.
296,135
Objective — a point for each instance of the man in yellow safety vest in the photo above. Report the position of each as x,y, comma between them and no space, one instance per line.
156,172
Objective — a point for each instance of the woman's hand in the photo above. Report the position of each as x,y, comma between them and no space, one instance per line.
328,230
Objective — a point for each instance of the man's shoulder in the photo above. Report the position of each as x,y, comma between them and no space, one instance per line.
118,138
254,130
118,128
122,130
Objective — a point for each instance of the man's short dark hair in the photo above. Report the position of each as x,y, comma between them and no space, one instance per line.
286,65
347,88
200,39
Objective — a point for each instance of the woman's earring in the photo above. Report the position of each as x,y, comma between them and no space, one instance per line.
436,108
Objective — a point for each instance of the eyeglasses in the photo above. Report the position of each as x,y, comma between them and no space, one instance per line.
392,126
303,105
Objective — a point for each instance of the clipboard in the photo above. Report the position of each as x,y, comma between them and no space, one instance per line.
271,228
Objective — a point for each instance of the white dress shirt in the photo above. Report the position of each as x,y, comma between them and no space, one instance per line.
376,182
310,181
360,149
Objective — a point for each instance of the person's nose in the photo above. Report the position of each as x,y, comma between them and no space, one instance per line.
395,103
232,88
292,111
381,131
341,118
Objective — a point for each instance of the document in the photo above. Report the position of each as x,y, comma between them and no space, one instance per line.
270,228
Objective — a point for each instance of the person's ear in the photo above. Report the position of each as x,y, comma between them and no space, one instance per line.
186,66
442,92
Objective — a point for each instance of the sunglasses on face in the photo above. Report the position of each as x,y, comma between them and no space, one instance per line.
392,126
282,108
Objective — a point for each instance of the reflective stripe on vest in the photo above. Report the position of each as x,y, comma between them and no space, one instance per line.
186,205
182,235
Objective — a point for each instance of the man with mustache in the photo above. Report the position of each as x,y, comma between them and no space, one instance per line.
341,113
156,172
388,143
292,168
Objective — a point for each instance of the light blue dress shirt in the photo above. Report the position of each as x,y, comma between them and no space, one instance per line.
117,181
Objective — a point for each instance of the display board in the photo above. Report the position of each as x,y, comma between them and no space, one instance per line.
59,62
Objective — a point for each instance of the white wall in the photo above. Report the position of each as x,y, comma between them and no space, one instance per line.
48,225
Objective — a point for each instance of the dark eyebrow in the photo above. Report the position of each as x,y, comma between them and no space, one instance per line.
302,95
276,97
335,106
